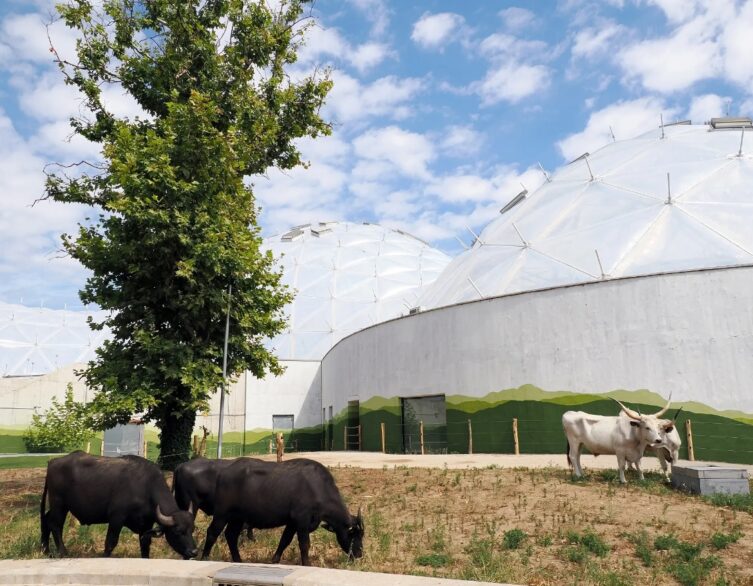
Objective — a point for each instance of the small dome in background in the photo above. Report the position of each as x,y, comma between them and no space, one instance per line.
675,199
346,277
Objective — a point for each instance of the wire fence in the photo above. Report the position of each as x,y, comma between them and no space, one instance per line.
726,441
730,441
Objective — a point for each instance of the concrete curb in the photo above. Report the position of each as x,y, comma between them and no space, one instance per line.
165,572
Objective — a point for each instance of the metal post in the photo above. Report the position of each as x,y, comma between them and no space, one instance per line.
421,432
224,375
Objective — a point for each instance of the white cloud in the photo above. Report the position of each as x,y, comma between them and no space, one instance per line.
46,97
377,12
30,236
462,188
705,107
57,139
674,63
409,153
710,39
737,43
626,119
678,10
501,46
433,31
327,43
511,83
593,41
25,35
390,96
461,141
369,55
516,18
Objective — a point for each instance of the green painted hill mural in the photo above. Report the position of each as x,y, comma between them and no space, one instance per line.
718,435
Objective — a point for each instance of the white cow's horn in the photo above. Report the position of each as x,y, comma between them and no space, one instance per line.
629,412
666,407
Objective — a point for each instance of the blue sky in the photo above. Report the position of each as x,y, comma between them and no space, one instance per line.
441,109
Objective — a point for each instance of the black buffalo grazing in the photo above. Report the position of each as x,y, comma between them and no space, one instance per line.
297,494
122,492
194,485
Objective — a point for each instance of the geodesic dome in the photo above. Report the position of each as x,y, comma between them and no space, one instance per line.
347,276
675,199
36,340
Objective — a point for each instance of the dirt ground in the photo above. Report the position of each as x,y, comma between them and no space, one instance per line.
520,525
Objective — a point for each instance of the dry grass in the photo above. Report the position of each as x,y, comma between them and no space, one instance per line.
521,526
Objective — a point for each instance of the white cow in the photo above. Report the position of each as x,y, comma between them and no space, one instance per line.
625,437
669,451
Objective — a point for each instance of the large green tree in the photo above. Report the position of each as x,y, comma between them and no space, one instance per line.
176,224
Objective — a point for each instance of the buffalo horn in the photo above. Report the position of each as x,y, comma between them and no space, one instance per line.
629,412
165,520
190,508
666,407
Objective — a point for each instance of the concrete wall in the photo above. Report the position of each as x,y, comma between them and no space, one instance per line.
297,392
534,355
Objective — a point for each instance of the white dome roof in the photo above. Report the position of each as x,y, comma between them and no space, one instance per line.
347,277
36,341
647,205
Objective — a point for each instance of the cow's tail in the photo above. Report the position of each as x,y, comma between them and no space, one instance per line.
567,453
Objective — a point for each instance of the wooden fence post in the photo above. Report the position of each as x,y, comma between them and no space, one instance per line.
470,437
421,434
384,444
102,447
280,447
146,449
196,444
515,436
689,434
88,447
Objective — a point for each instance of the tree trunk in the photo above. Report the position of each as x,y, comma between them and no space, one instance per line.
175,440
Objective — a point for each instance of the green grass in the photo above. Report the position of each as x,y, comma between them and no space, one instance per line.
434,560
721,540
738,502
25,462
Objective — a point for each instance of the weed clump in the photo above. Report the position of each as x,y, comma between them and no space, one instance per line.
513,538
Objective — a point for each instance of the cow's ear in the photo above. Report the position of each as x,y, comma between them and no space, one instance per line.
635,424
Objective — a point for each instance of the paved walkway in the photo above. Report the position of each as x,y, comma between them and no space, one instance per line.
169,572
453,461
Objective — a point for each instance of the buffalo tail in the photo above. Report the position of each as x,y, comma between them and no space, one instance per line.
42,506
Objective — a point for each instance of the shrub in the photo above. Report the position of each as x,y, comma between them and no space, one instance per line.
513,538
60,428
722,540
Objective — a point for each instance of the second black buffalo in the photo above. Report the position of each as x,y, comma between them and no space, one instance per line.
298,494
